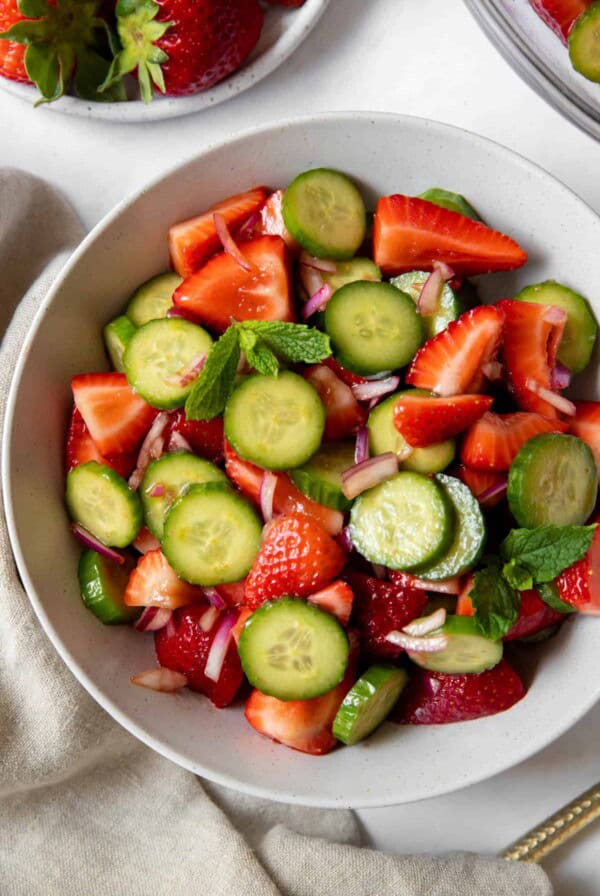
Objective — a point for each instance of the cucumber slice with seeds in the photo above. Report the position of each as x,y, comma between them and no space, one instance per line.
584,44
454,202
468,651
368,703
351,271
553,480
159,356
153,299
117,335
101,501
321,477
383,437
325,213
450,308
292,650
211,535
102,584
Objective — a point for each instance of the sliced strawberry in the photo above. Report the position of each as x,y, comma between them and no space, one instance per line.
579,585
222,290
532,335
493,442
586,426
287,498
115,416
154,583
193,241
424,420
205,437
433,698
381,607
560,15
343,413
81,448
145,541
346,376
236,631
480,481
337,599
183,646
270,221
233,593
410,234
534,616
464,604
452,362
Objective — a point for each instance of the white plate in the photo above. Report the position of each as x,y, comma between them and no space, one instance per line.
283,31
384,154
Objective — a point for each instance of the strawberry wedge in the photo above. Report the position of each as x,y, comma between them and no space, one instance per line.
586,426
115,416
81,448
493,442
560,15
343,414
423,421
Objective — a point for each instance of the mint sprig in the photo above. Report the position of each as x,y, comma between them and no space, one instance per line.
495,601
213,387
542,554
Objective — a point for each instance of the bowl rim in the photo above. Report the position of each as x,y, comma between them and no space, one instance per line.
464,779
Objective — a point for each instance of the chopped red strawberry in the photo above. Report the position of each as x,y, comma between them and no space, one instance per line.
205,437
433,698
236,631
534,616
287,498
410,234
381,607
336,598
145,541
154,583
493,442
464,604
222,290
452,362
346,376
343,413
233,593
579,585
586,426
532,335
183,646
481,481
270,221
560,15
81,448
192,242
297,558
424,420
115,416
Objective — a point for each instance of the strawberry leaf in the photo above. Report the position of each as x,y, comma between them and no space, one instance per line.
43,67
138,32
33,9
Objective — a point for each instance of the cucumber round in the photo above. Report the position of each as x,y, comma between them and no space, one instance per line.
468,651
454,202
581,328
553,480
117,335
211,535
325,213
101,501
292,650
176,472
469,533
584,44
321,477
384,437
450,307
276,422
403,523
373,327
102,584
351,271
159,355
153,299
368,703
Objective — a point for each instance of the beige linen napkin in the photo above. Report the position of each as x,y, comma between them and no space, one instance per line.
85,808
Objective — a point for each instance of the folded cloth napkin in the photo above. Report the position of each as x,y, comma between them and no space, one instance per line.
85,808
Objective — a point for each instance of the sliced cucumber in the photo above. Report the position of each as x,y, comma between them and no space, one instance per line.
153,299
172,475
292,650
351,271
101,501
325,213
584,44
553,480
384,437
454,202
211,535
159,359
469,533
449,309
468,651
581,329
276,422
102,584
373,327
405,522
321,477
116,339
368,703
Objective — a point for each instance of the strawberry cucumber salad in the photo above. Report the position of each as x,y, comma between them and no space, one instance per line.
324,477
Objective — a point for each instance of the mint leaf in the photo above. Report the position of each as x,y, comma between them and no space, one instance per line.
290,343
544,552
549,594
517,576
257,354
213,387
496,603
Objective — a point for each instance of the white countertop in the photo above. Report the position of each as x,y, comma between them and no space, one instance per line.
420,57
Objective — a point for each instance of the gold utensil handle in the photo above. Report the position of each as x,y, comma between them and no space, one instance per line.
557,829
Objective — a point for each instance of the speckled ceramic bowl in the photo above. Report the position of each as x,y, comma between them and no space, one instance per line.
384,154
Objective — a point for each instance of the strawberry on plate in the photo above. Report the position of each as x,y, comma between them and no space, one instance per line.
222,290
586,426
452,362
493,442
81,448
115,416
336,598
381,607
579,585
410,234
154,583
205,437
481,481
424,420
560,15
343,413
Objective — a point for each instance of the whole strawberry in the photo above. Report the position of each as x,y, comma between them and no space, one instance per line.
183,46
12,54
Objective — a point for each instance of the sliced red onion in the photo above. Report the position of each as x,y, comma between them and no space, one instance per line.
249,224
311,280
157,491
426,624
433,644
161,679
189,374
177,311
499,488
431,293
228,242
218,648
214,598
170,628
380,572
152,447
446,586
344,540
361,449
177,442
560,378
146,542
153,619
368,474
375,390
318,301
326,265
559,402
554,315
445,270
267,493
90,541
493,371
208,619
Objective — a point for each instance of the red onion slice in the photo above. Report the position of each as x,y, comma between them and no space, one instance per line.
228,242
214,598
560,378
433,644
317,302
267,493
344,540
445,270
493,371
326,265
146,542
554,315
90,541
153,619
431,293
208,619
157,491
245,231
161,679
171,628
375,390
492,492
446,586
361,449
152,447
218,648
310,279
368,474
426,624
177,442
189,374
559,402
380,572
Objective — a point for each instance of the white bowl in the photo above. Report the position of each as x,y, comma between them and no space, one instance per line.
283,31
384,154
